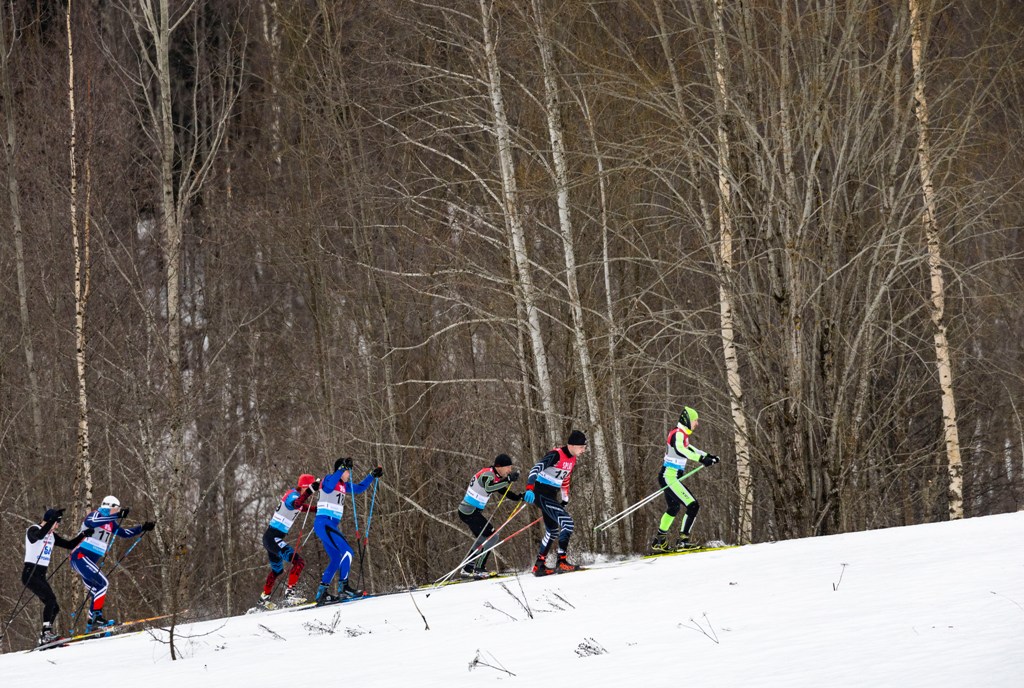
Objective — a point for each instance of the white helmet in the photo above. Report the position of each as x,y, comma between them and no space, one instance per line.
110,502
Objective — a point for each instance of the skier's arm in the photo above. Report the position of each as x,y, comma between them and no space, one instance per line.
96,519
549,460
301,502
127,532
37,533
680,448
363,484
491,485
330,482
73,542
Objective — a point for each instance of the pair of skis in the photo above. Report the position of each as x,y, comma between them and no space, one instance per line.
103,631
689,550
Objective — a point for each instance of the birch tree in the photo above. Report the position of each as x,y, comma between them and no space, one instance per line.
513,218
725,298
610,474
929,220
183,161
80,246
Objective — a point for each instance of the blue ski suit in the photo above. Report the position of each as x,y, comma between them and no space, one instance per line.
329,510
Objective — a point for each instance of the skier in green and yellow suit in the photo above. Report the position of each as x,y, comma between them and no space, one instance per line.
677,453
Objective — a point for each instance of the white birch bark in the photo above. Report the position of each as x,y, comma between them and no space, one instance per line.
612,496
943,358
272,37
730,352
80,245
513,220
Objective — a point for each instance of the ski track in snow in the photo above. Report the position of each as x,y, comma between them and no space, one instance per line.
931,605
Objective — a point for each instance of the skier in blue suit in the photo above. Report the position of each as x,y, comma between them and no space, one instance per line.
85,559
334,488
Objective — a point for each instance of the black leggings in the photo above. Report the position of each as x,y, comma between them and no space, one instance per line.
482,528
34,578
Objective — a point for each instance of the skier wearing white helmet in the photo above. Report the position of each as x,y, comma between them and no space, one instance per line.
85,559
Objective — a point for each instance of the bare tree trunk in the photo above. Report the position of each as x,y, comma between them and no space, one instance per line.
80,244
943,358
272,37
159,31
14,196
614,332
608,476
729,350
513,220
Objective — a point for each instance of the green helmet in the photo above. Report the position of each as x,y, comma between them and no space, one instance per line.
687,418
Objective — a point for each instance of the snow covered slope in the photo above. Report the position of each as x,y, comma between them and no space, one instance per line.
932,605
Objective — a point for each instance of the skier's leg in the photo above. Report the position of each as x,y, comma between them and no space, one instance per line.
487,535
482,529
93,578
35,581
675,496
344,554
566,526
270,543
550,527
298,563
324,532
692,508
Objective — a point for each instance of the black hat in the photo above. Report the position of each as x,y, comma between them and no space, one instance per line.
52,515
576,437
502,460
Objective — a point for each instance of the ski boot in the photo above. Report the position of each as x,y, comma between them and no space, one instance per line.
540,567
324,597
683,543
658,544
564,566
472,573
47,636
97,621
292,598
348,593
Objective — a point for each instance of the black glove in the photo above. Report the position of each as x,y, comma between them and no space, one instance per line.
709,460
377,472
314,486
343,462
148,526
88,532
565,503
124,512
513,476
60,514
514,497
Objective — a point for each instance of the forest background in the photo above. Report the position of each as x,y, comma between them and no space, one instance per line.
242,238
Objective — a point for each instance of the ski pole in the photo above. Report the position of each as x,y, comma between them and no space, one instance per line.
475,551
629,510
369,518
365,542
489,549
646,500
488,523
